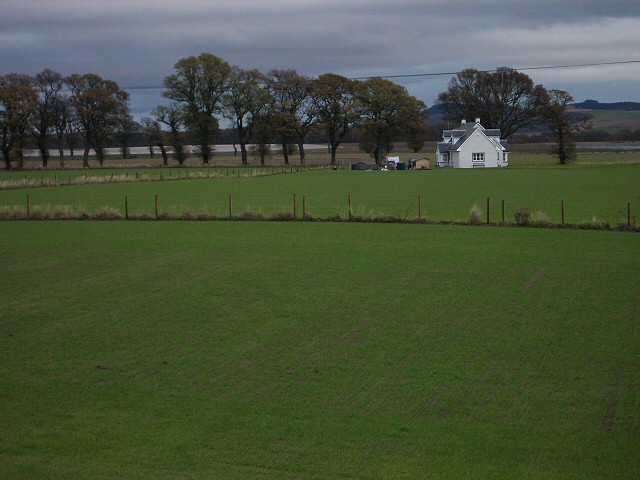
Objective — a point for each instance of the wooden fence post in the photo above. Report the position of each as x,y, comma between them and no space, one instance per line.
488,209
350,208
304,207
294,207
230,206
562,208
628,214
28,205
503,212
419,207
126,207
156,207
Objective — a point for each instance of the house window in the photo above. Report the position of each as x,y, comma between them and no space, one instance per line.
477,157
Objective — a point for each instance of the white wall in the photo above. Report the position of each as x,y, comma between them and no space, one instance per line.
478,143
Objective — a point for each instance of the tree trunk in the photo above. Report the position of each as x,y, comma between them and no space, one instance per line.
244,154
165,157
85,157
44,151
301,152
561,153
6,153
178,152
334,149
378,153
61,149
285,153
205,152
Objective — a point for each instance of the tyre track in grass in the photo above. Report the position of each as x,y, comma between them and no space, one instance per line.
612,398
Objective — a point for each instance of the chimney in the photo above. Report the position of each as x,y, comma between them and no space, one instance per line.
463,121
477,119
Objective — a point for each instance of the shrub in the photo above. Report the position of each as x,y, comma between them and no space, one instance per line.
594,224
475,216
522,215
540,219
107,213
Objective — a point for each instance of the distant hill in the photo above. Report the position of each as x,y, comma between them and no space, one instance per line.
608,117
595,105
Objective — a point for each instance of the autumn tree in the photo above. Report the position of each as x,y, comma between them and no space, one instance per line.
555,116
173,116
247,98
385,109
199,84
504,99
337,108
99,104
18,101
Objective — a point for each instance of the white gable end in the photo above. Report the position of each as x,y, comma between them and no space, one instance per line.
472,149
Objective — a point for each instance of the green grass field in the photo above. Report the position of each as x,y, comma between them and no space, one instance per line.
447,194
279,350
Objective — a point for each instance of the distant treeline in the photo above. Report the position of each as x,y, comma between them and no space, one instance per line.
281,107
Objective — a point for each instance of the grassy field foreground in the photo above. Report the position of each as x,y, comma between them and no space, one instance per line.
270,350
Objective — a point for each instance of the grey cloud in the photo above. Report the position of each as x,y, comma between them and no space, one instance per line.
137,43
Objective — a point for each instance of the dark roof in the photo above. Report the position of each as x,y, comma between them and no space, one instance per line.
467,126
443,146
492,132
362,166
504,144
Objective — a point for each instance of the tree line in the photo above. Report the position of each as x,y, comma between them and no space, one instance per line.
281,107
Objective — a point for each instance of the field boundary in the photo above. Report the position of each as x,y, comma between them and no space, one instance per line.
242,172
67,213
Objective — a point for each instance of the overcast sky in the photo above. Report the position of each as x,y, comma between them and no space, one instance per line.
137,42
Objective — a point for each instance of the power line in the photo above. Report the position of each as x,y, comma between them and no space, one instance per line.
439,74
544,67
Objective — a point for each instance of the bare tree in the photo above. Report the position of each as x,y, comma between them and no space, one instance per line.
156,136
62,121
246,99
295,108
555,115
173,117
48,84
125,129
504,99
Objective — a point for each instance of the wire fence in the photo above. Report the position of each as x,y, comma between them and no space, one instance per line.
494,213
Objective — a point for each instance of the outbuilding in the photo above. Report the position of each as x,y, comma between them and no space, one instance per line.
419,163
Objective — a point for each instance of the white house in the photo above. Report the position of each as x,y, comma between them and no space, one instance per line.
471,145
